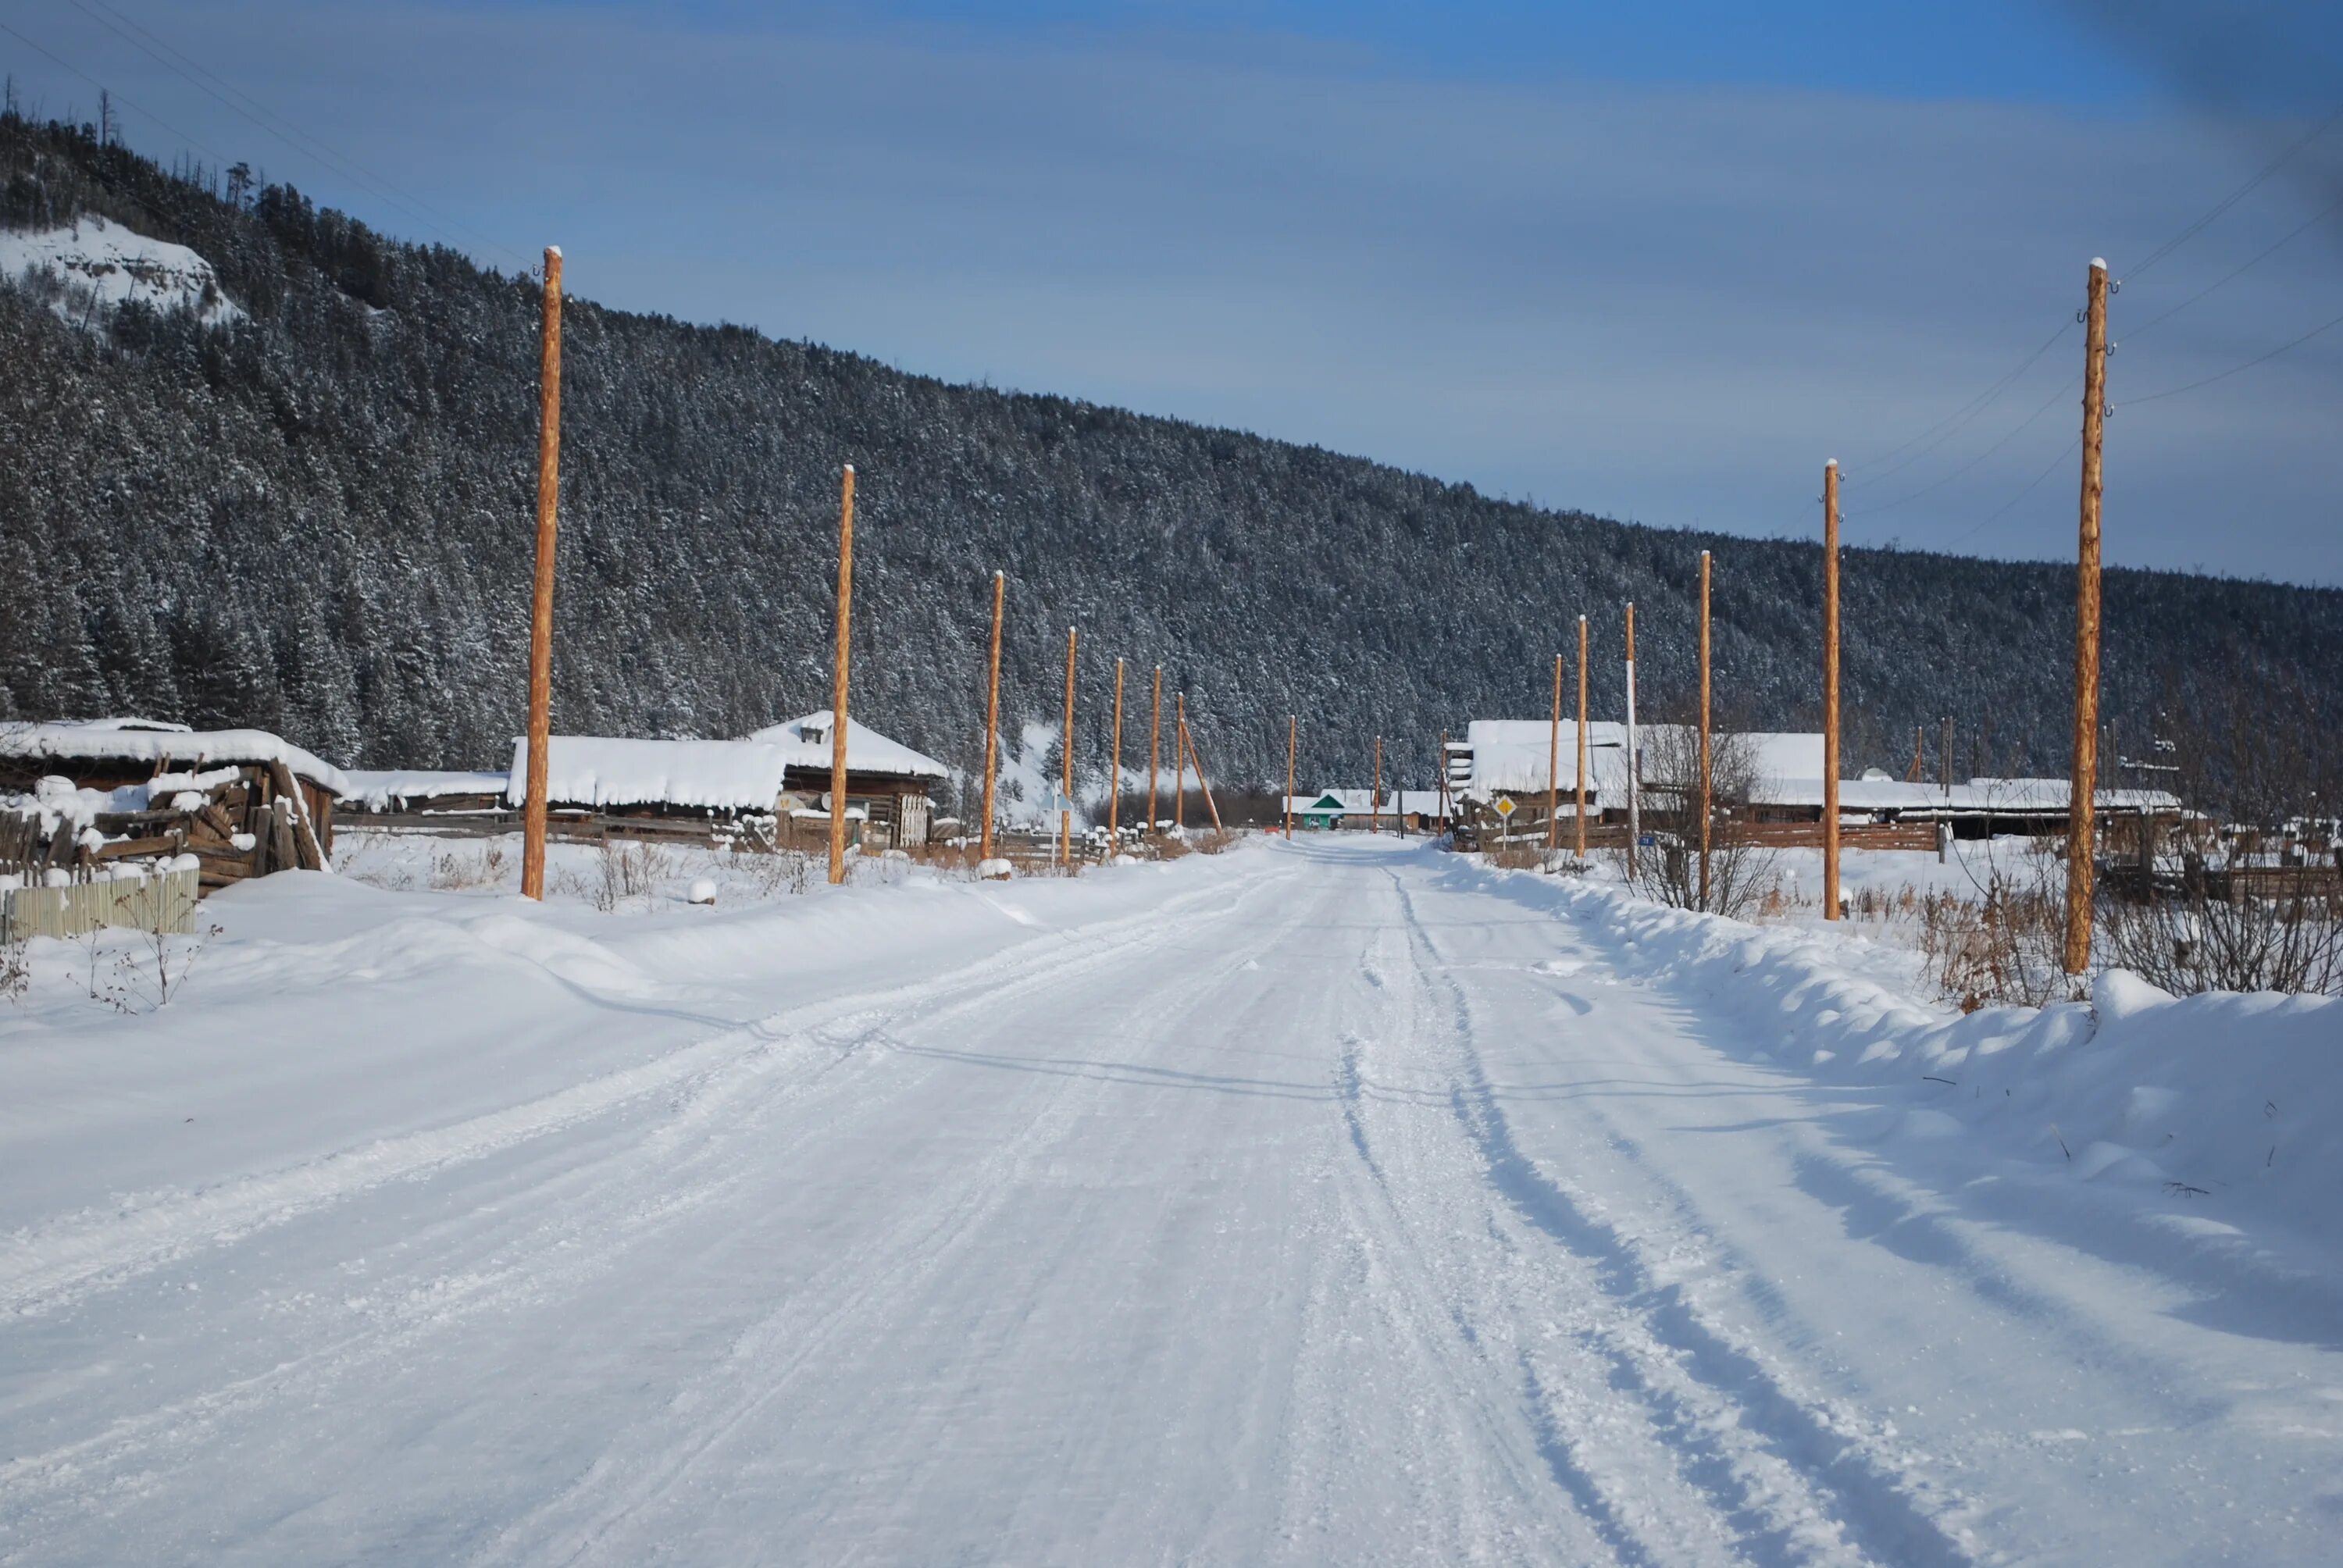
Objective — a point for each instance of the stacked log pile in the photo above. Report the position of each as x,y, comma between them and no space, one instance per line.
238,821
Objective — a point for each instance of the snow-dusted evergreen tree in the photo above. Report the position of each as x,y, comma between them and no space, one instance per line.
320,517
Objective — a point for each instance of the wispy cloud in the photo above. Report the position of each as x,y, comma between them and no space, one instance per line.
1664,302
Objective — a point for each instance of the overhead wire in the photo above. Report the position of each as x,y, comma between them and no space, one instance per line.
2235,196
2262,358
2012,434
1966,411
250,109
135,108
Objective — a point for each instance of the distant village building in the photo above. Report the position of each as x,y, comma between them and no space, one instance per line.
888,785
774,785
1415,810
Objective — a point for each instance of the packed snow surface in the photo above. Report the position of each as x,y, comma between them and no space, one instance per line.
1337,1201
105,264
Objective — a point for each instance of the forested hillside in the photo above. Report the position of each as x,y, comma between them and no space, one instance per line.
318,517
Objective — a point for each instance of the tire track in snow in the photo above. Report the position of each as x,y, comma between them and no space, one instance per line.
54,1263
1453,1281
602,1199
829,1310
1794,1466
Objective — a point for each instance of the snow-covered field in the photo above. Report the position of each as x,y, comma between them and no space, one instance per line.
1338,1202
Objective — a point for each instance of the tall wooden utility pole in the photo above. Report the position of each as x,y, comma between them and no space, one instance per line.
1179,761
1635,780
1830,689
1292,727
1582,737
1154,748
540,614
2082,799
1553,767
1440,771
1945,762
1115,788
1066,764
1374,794
991,719
838,681
1704,790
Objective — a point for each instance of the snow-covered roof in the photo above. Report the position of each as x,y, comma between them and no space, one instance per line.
1976,797
709,775
1511,756
807,743
378,787
146,740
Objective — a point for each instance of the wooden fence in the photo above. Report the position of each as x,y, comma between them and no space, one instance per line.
158,901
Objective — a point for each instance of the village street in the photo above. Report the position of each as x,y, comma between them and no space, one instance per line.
1335,1202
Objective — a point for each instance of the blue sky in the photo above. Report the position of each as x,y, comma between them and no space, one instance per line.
1657,262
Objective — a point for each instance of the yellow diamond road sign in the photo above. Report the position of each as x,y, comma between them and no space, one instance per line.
1504,804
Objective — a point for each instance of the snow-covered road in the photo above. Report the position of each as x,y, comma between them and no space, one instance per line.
1334,1202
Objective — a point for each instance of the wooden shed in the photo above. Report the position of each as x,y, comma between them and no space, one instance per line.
81,795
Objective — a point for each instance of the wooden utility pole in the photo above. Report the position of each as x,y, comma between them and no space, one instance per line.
2082,801
1918,770
1292,728
1830,689
1581,847
838,681
1553,767
1440,771
1635,782
1115,790
540,615
991,719
1202,782
1066,765
1374,794
1154,748
1945,763
1179,761
1705,783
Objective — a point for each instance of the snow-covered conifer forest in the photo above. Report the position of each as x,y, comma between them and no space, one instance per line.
305,505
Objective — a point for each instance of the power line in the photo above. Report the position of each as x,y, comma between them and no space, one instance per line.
292,136
2235,369
2235,196
2296,232
2031,485
2016,430
109,92
1966,412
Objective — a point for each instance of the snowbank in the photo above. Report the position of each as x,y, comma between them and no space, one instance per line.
2233,1094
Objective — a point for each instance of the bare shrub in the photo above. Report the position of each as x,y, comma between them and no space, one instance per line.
1215,843
456,871
2247,893
1516,858
627,868
1740,870
2006,947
